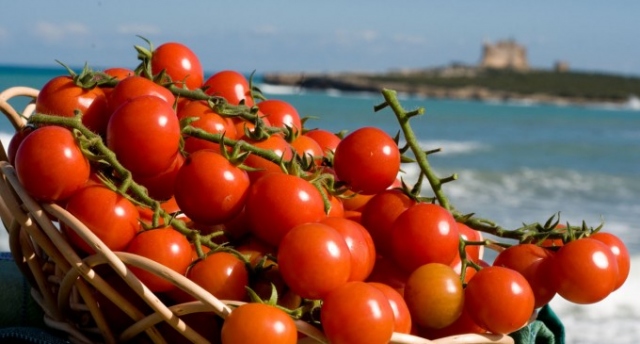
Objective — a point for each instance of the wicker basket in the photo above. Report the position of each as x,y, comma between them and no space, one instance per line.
73,291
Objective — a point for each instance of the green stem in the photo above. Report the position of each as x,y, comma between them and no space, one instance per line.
420,156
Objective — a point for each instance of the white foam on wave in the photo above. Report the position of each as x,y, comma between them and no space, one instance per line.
280,89
449,147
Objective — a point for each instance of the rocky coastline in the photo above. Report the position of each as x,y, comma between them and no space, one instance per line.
362,82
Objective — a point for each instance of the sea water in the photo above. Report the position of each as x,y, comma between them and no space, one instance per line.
516,162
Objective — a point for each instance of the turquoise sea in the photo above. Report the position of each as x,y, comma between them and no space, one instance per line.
517,162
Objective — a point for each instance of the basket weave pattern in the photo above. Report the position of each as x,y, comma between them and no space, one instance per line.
72,289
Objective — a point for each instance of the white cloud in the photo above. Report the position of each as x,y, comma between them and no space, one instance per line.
53,32
138,29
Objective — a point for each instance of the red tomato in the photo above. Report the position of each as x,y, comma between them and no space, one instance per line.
281,114
169,206
165,246
380,212
119,73
61,96
207,120
275,143
230,85
355,201
110,216
144,133
180,63
463,325
160,186
327,140
209,189
278,202
387,272
308,148
269,325
363,251
137,86
620,252
534,263
337,208
374,321
434,295
499,300
585,270
50,165
425,233
401,314
222,274
367,160
15,142
314,259
473,252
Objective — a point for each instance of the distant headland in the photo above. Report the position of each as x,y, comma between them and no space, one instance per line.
503,74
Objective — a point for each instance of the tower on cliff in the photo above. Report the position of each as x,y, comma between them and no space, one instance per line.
506,54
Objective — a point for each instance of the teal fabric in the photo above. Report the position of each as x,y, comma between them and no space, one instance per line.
17,307
546,329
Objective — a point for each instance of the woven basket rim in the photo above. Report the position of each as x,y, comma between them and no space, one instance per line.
35,240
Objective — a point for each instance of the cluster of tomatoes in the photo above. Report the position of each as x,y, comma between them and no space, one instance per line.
254,203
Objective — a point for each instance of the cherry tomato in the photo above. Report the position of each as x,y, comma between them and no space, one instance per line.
231,85
137,86
278,202
160,186
620,252
387,272
118,73
360,244
275,143
380,212
208,120
144,133
473,252
110,216
585,270
534,263
434,295
209,189
499,300
222,274
367,160
308,148
269,325
15,142
314,259
425,233
357,312
165,246
61,96
49,164
463,325
180,63
281,114
401,314
327,140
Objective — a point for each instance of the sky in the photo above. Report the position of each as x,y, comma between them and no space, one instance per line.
322,36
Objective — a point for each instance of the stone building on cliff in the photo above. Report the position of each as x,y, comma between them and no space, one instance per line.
505,54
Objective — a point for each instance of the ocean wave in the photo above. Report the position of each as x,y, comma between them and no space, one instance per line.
280,89
450,147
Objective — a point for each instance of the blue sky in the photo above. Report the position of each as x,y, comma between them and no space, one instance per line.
329,35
